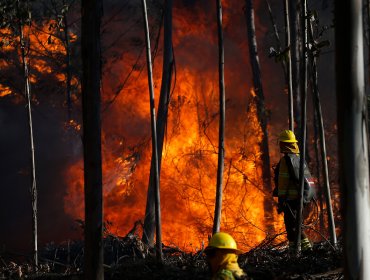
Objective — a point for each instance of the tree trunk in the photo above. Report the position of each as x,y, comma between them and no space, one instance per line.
277,38
221,133
91,81
289,66
295,53
159,252
68,64
352,138
319,186
303,122
27,92
260,104
164,99
317,104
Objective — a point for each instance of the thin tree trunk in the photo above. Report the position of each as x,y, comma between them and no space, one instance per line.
260,104
353,138
325,171
319,186
33,189
277,38
91,81
295,53
289,66
274,26
68,64
303,123
159,252
164,99
221,133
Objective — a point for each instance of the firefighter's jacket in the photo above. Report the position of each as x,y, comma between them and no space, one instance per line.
287,179
225,266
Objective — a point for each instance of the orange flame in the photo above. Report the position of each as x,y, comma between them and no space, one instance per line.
189,157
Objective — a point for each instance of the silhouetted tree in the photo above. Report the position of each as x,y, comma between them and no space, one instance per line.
303,73
260,103
221,132
91,82
352,138
164,99
23,15
159,252
321,132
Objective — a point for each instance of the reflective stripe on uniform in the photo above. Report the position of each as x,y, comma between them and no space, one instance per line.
287,188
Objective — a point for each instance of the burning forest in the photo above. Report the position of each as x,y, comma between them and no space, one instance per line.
135,132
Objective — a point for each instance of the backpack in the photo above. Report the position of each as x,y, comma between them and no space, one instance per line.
292,160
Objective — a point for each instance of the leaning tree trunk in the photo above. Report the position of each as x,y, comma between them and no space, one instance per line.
33,189
289,66
164,99
91,81
260,104
294,20
221,132
303,123
159,252
352,138
317,105
277,38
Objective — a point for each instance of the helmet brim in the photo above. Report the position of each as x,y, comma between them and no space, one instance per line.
289,141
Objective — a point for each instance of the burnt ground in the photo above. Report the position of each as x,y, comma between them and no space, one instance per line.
128,258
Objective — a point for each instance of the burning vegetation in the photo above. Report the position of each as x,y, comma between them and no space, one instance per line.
48,58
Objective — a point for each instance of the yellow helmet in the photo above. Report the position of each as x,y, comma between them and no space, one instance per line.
222,240
287,136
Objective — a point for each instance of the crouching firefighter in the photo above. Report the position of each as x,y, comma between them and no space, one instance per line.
287,187
222,257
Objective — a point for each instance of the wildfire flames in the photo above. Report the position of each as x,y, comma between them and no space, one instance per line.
189,158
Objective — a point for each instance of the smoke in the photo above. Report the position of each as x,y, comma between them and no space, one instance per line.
53,152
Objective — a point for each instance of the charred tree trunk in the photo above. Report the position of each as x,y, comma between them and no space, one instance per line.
260,104
289,66
303,122
164,99
68,63
352,138
221,133
27,92
294,19
159,252
317,105
91,81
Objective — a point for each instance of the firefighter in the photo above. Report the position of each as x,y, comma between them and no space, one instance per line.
222,256
287,187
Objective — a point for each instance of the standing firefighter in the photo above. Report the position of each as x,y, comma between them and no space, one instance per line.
287,187
222,256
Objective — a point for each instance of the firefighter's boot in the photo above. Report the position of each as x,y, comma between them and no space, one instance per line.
306,245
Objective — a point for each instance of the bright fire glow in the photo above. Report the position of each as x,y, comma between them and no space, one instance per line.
189,157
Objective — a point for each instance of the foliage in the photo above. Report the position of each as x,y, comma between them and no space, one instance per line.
11,12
